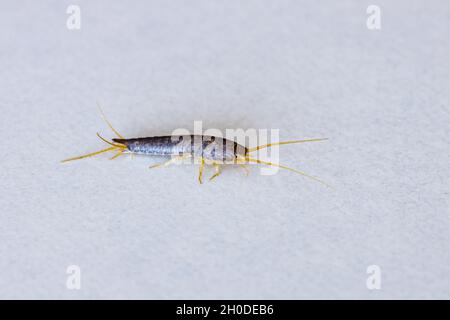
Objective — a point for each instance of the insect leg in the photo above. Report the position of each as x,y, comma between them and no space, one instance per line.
117,154
200,170
164,164
217,169
174,159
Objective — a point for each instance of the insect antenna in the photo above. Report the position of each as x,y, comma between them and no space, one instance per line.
283,142
89,154
287,168
117,145
114,146
108,123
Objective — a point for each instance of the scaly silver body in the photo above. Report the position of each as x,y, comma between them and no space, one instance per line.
209,147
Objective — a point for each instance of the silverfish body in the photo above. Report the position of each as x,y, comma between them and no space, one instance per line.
209,147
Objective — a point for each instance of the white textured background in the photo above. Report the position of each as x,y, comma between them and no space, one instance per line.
309,68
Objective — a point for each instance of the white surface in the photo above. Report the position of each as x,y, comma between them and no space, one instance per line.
308,68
